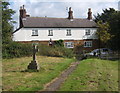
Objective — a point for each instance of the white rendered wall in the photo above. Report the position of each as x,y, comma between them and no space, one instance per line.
25,34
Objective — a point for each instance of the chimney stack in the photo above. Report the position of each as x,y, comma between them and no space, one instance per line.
89,14
70,14
22,15
22,12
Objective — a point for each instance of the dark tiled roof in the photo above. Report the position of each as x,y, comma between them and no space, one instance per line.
57,22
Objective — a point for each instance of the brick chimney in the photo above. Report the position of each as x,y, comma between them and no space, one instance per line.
89,14
22,12
70,14
22,15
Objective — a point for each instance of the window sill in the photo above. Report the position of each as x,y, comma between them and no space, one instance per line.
87,35
68,35
34,35
50,35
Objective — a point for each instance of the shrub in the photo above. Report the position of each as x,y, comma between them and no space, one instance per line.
14,49
55,51
59,43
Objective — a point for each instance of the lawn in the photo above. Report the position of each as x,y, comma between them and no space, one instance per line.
14,79
93,75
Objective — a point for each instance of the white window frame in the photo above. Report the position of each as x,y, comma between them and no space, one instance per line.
34,32
68,32
50,32
88,32
87,43
69,44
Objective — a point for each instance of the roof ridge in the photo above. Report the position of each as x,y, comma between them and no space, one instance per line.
58,18
43,17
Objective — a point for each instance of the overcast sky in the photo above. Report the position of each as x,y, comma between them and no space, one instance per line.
59,8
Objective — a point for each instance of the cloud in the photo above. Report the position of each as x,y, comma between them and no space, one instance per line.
58,8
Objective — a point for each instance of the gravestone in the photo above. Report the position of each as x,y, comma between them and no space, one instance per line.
34,65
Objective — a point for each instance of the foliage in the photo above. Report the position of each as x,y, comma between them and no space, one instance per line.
14,49
59,43
115,30
7,23
103,31
55,51
111,17
105,16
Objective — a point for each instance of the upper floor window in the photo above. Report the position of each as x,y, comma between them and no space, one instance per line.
50,32
88,44
87,32
68,32
34,32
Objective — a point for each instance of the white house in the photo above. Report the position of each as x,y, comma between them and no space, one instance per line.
72,31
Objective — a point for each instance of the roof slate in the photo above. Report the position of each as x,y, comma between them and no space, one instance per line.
43,22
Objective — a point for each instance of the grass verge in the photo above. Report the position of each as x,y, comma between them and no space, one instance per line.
93,75
15,79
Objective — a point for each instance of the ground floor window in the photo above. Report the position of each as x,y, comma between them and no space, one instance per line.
69,44
87,43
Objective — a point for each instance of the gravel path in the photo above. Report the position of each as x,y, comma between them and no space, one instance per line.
55,84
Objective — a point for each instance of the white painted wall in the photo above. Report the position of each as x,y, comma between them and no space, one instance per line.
25,34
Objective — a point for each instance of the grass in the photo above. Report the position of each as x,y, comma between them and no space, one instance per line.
93,75
14,79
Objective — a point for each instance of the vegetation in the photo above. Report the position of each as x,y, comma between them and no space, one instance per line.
7,23
16,79
55,51
103,32
110,17
14,49
93,75
59,43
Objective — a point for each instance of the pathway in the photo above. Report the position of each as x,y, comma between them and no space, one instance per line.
54,85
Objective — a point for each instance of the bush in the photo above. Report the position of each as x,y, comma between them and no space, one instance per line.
59,43
55,51
14,49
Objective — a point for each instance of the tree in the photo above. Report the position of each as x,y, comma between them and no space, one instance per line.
114,42
7,22
103,32
105,16
111,37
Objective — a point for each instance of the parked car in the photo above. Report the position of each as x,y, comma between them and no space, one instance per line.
101,51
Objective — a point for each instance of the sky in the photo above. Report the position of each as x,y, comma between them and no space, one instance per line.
59,8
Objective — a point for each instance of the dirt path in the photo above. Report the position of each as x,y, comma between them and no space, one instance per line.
54,85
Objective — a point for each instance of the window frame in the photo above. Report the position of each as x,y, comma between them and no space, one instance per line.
88,32
50,32
68,32
88,43
69,44
35,32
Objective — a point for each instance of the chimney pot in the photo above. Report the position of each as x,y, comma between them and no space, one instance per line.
23,6
20,7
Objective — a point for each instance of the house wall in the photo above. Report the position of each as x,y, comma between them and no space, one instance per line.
25,34
78,37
